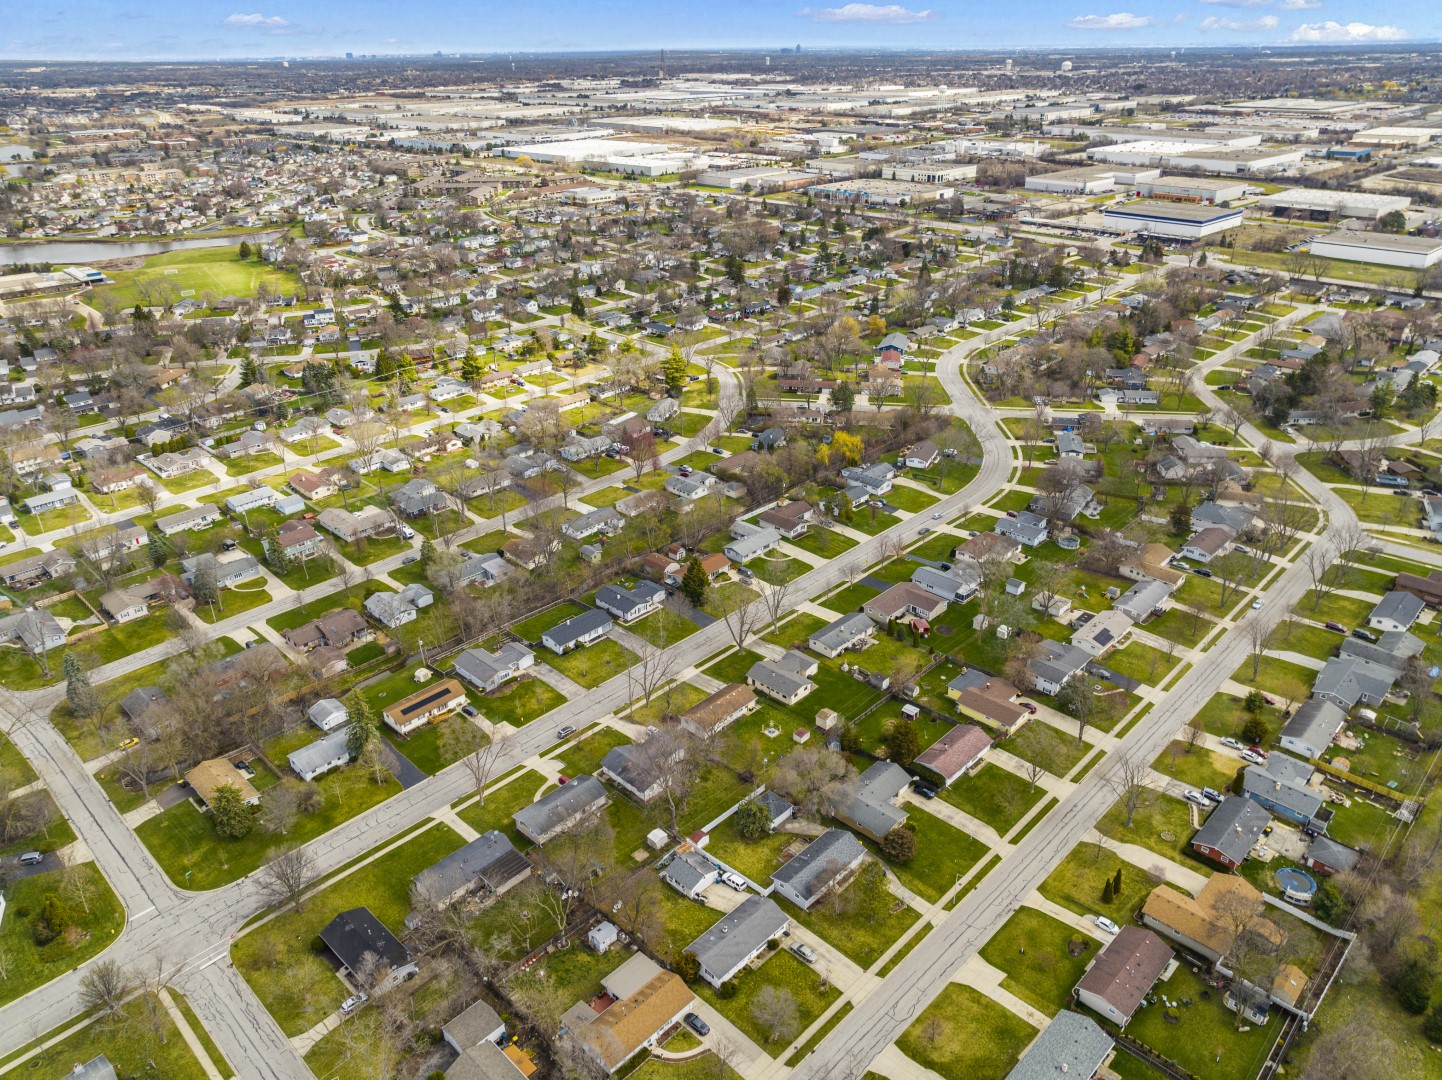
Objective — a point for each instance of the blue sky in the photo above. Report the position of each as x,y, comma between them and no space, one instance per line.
160,29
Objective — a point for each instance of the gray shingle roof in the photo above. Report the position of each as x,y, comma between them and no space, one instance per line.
809,873
1071,1044
1398,606
556,807
1233,827
490,858
743,930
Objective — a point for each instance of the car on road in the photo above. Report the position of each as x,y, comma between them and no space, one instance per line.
806,952
30,858
1253,758
696,1024
354,1002
410,559
923,531
1330,625
564,731
1194,796
1103,923
936,516
1257,604
1234,744
126,744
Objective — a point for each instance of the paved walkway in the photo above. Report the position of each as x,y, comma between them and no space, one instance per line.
981,976
560,683
188,1034
1149,860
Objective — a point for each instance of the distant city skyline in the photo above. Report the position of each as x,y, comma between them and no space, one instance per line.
235,29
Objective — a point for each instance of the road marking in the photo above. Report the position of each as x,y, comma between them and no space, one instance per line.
138,914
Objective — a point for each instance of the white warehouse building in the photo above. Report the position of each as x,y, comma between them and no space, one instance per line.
1383,249
1178,221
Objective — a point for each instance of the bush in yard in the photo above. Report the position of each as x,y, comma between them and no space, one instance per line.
1107,893
1254,702
899,845
903,742
1432,1026
52,921
1413,985
317,944
727,990
1329,905
752,821
687,966
1255,730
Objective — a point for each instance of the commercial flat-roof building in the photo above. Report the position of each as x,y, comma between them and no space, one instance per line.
1177,221
1323,205
1383,249
1203,189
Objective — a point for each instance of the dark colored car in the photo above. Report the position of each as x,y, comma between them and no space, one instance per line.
696,1024
1335,626
1364,635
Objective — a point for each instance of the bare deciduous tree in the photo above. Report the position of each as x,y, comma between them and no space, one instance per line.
287,874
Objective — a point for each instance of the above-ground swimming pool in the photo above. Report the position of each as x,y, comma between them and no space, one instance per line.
1298,887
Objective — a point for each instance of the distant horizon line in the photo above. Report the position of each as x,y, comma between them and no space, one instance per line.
759,50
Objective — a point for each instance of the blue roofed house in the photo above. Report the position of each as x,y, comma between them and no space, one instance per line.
1281,786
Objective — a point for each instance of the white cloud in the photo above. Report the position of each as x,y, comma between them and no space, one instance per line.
868,13
1300,5
1330,31
1120,20
256,21
1239,3
1212,22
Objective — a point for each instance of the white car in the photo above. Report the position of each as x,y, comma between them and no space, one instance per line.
736,881
936,517
406,531
1252,757
1193,796
1234,744
1103,923
1257,604
354,1002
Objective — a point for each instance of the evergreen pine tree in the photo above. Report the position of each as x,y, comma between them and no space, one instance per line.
694,583
1117,883
158,553
79,694
246,251
362,727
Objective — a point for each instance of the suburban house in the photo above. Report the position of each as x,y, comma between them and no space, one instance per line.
1123,974
489,863
847,632
476,1035
1281,786
350,527
1055,665
419,497
868,481
1207,544
309,485
718,711
907,602
693,487
630,604
635,770
741,935
1397,610
488,671
428,706
211,775
396,609
1071,1045
123,605
956,753
1328,856
1349,681
872,811
1142,600
1313,727
749,541
1151,563
577,631
959,583
985,546
690,873
787,679
1027,529
645,1002
605,520
988,700
529,552
330,751
367,951
36,630
556,811
825,863
1231,831
1102,632
791,519
298,540
193,519
338,629
1201,925
921,456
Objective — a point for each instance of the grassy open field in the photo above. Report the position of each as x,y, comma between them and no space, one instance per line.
195,271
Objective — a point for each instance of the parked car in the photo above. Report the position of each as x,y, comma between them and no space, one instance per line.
406,531
1011,513
1201,571
736,881
1234,744
1103,923
354,1002
806,952
1253,758
1330,625
468,710
923,788
1364,635
1212,794
30,858
565,730
126,744
1028,706
696,1024
1194,796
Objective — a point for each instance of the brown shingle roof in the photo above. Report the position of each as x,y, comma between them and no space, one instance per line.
624,1028
1127,968
209,776
955,750
709,712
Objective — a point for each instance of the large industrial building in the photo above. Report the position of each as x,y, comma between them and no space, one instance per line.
1384,249
1177,221
757,178
1319,205
1089,180
1199,189
1179,154
882,192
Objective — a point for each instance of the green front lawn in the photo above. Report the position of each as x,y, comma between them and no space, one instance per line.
1198,767
850,598
231,602
852,935
519,702
501,806
298,985
1055,751
591,665
827,543
942,855
139,1040
1280,677
754,858
584,756
1033,949
733,667
964,1035
1142,662
663,628
994,795
95,920
532,628
909,499
352,597
1079,881
184,841
1161,824
786,972
778,571
426,748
